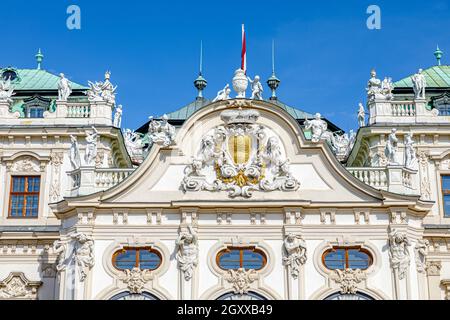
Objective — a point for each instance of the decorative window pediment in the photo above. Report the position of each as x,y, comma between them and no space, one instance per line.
35,106
17,286
442,104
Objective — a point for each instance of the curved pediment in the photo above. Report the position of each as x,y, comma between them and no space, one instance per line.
242,151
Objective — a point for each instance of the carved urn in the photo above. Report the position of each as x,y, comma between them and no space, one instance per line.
240,83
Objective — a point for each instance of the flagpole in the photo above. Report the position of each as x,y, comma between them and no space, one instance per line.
244,52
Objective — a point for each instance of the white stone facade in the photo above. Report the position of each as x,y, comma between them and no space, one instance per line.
238,173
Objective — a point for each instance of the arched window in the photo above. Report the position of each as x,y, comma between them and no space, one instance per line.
134,296
245,296
137,257
347,257
241,257
356,296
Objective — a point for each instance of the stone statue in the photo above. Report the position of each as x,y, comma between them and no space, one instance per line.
187,252
84,254
390,150
317,126
91,147
75,158
273,154
295,253
361,115
162,132
420,251
257,88
118,116
102,90
386,87
419,84
6,91
60,249
134,145
399,253
223,94
373,85
410,154
64,88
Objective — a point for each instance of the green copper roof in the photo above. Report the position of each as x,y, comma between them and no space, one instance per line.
185,112
35,79
436,77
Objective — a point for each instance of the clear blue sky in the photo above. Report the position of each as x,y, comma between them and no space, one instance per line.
324,51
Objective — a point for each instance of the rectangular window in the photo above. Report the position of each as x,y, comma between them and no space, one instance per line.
24,196
35,112
446,195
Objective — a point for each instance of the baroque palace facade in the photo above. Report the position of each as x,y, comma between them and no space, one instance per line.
234,198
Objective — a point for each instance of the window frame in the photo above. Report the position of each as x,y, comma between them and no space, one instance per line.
347,248
137,262
25,193
444,192
241,256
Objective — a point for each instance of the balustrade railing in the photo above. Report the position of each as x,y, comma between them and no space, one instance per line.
78,110
403,109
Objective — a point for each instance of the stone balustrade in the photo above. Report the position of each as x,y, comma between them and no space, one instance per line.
78,110
87,179
396,179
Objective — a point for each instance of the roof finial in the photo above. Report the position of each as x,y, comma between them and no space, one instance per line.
273,82
438,54
200,83
39,57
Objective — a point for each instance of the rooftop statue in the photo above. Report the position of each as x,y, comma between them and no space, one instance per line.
6,91
102,90
223,94
118,116
361,115
64,88
391,148
240,83
134,145
386,87
257,88
374,86
162,132
419,84
317,126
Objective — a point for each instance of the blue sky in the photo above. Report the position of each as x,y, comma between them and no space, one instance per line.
324,51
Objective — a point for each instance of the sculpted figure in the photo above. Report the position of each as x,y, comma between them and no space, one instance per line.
410,154
419,84
91,146
317,126
223,94
295,253
118,116
257,88
420,250
84,254
273,153
399,253
161,132
102,90
391,148
75,159
373,85
60,248
64,88
6,91
187,254
361,115
386,87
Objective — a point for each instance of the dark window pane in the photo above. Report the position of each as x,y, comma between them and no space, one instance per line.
230,260
357,259
148,260
18,184
33,184
126,259
252,260
335,259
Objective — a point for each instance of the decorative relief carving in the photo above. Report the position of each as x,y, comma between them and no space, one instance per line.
55,187
420,251
241,279
26,164
399,253
295,253
135,279
187,252
17,286
348,279
433,268
425,186
239,158
60,249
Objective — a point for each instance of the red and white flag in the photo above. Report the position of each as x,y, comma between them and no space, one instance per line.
243,52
